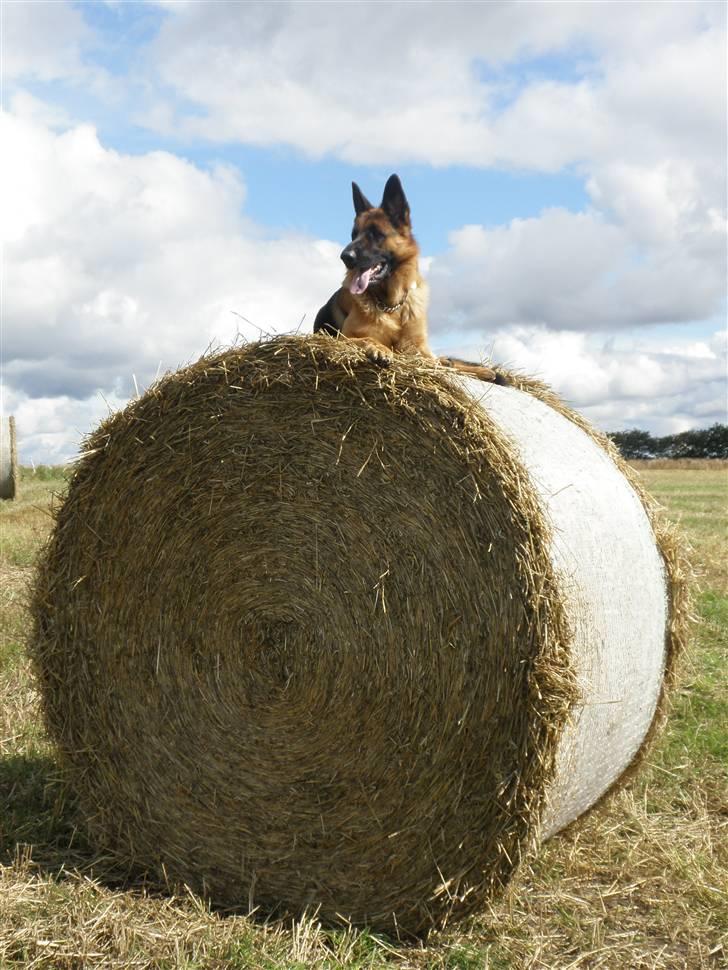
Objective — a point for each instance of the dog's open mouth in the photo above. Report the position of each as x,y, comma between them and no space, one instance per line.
361,280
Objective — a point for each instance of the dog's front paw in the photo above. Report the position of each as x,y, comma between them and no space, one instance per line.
379,355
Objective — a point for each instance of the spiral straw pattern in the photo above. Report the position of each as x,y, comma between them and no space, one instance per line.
300,641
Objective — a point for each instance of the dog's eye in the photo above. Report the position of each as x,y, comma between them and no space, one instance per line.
375,234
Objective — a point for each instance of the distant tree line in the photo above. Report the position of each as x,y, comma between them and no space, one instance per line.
705,443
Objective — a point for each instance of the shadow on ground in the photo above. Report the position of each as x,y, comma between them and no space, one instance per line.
37,818
41,834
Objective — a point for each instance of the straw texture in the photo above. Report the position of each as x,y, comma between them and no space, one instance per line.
300,639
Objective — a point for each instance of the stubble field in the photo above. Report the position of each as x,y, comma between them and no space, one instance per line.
642,883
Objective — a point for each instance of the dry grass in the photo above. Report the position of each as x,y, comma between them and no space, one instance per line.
641,884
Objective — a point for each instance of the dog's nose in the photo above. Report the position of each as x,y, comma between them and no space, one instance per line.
348,255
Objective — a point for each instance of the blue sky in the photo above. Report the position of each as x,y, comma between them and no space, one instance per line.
173,167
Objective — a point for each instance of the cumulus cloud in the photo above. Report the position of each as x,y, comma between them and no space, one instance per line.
119,265
44,41
646,131
433,86
116,262
456,83
51,428
575,271
667,389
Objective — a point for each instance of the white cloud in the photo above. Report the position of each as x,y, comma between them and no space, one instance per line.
44,41
423,82
638,385
25,105
117,264
51,428
657,203
636,103
48,43
577,271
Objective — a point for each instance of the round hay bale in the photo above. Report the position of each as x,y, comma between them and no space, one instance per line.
313,634
8,458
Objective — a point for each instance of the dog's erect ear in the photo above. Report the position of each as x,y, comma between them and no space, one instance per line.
394,202
361,202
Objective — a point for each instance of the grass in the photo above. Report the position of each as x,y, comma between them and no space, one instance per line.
641,883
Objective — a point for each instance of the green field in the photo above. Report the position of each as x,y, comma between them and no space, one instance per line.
642,882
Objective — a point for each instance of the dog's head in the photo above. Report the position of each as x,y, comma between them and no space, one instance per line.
381,239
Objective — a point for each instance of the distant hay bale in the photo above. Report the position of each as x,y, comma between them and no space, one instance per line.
313,634
8,458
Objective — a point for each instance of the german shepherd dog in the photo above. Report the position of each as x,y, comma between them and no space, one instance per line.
382,303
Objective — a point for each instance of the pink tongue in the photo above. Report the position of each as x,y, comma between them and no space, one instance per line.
360,282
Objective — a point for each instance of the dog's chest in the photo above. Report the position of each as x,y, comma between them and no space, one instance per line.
413,314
